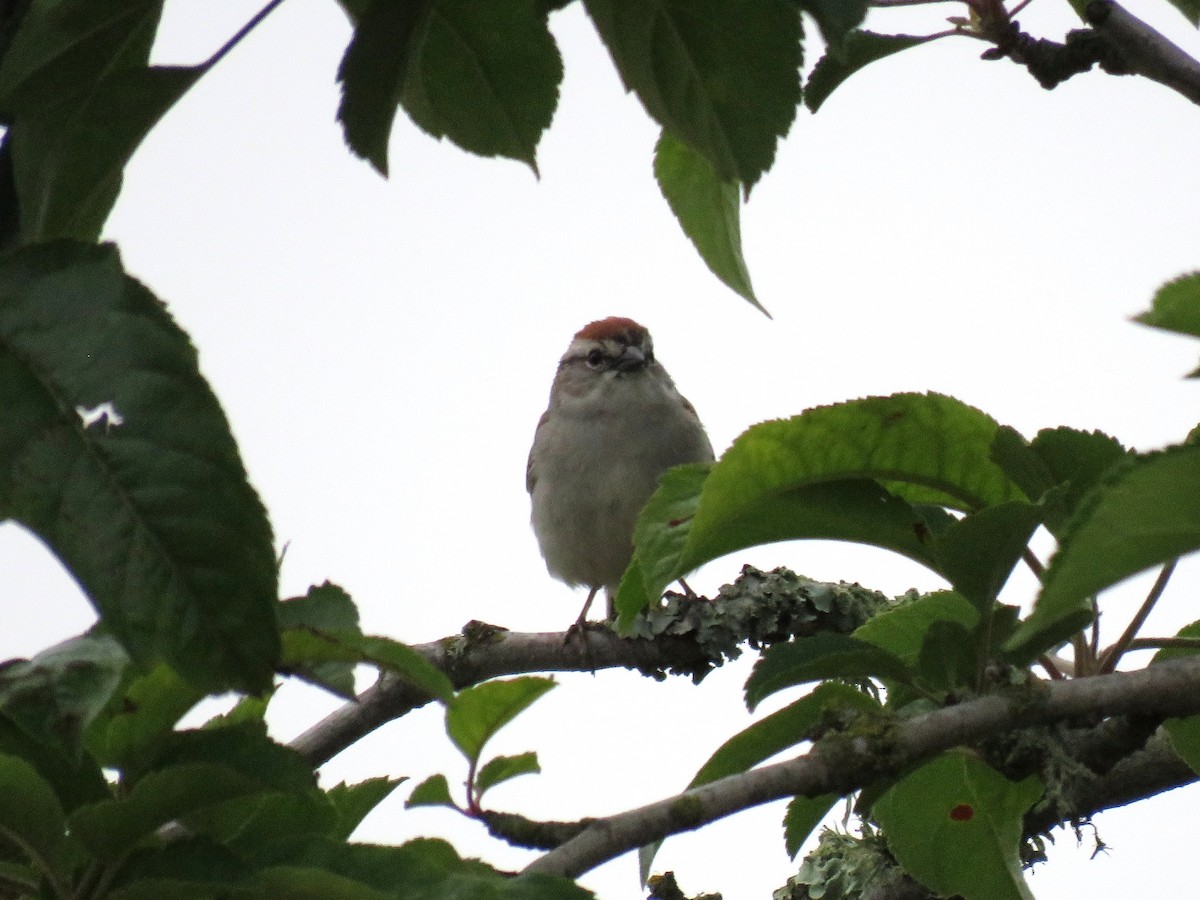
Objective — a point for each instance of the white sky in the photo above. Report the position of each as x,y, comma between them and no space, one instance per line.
384,349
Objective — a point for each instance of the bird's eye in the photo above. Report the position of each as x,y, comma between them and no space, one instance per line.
595,358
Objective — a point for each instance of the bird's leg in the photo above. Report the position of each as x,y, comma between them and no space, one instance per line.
587,604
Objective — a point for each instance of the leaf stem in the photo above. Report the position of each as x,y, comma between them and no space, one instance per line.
1112,656
242,32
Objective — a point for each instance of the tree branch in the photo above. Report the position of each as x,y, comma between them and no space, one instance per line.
1118,42
1145,51
685,636
840,765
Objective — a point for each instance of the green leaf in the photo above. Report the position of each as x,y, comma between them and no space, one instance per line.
1024,467
1076,460
484,75
325,606
708,210
477,713
111,828
354,801
783,729
720,75
818,475
182,869
1140,515
835,18
861,511
115,452
63,48
824,655
312,654
1176,305
949,658
61,691
801,818
422,869
979,552
31,817
857,50
433,791
310,883
129,737
68,158
503,768
901,631
245,748
372,74
955,825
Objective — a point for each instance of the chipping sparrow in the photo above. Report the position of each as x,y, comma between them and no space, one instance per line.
615,423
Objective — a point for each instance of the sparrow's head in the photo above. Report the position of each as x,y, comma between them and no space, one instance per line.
615,346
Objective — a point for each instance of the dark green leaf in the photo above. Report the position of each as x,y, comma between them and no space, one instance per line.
111,828
955,825
803,815
62,49
1140,515
60,692
901,631
75,777
835,18
114,450
423,869
1076,460
372,74
68,157
1176,305
721,75
783,729
857,50
503,768
708,210
354,801
433,791
249,822
1021,463
182,870
31,816
484,75
949,658
310,883
325,606
824,655
478,712
979,552
244,747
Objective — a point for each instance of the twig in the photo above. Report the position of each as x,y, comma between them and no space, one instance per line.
242,32
1112,656
1171,643
839,766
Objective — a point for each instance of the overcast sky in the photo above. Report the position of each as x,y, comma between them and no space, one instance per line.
384,349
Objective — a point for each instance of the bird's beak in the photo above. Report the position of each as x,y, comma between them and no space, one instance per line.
631,359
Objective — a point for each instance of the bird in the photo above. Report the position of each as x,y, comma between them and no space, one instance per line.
615,423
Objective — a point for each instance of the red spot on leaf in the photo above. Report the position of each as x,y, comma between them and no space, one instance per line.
964,812
675,523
